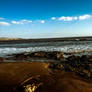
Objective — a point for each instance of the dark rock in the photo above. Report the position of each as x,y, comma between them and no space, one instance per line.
56,66
87,73
39,54
19,57
1,59
60,56
51,55
90,67
86,59
27,57
74,61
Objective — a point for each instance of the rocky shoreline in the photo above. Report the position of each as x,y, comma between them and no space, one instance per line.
81,65
61,72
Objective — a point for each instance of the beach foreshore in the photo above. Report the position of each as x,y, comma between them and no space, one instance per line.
60,73
40,77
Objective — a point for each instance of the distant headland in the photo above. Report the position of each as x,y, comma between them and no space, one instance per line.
83,38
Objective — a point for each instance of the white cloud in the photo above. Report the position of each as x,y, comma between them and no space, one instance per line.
26,21
15,22
21,21
75,18
42,21
53,18
4,23
84,17
63,18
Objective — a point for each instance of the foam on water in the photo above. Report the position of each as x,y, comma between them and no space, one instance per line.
55,46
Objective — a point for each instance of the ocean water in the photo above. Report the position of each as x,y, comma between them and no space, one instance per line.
84,47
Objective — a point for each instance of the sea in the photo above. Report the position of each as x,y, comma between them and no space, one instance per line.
75,47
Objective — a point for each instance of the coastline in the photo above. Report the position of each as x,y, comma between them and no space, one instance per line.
45,71
20,40
81,65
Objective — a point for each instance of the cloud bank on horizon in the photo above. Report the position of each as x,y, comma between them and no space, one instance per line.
62,18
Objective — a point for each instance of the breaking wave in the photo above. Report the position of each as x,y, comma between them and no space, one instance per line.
69,47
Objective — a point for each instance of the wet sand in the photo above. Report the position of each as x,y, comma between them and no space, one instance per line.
15,76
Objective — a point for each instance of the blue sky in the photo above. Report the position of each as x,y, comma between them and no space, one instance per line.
45,18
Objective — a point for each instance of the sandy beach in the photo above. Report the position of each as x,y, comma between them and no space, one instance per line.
15,76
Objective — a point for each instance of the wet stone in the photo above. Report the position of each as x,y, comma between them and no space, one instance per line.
1,59
56,66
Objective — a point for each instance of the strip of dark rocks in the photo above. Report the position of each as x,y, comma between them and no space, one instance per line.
81,65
